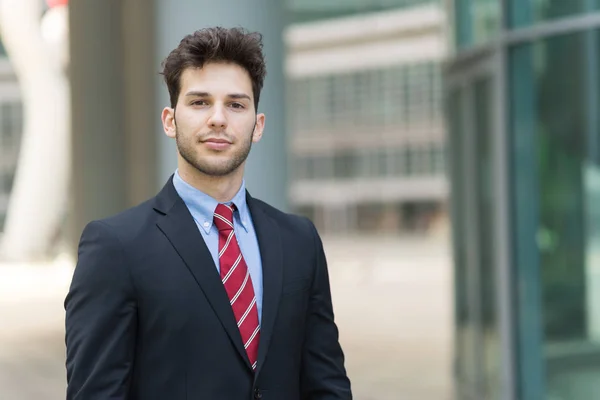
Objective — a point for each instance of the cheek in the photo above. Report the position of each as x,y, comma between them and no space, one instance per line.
189,122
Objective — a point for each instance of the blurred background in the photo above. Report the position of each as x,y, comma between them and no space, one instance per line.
448,151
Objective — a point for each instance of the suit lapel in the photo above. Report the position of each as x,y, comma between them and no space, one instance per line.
269,241
181,230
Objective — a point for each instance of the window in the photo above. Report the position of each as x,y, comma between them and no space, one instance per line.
402,96
381,163
486,206
528,12
556,164
398,160
464,313
476,21
345,165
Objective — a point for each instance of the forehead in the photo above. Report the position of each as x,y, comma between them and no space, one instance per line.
216,79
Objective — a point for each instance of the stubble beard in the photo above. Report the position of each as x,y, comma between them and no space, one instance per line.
208,167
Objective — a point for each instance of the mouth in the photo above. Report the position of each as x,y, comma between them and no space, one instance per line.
216,144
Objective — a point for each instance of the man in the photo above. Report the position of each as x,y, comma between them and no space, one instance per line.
205,292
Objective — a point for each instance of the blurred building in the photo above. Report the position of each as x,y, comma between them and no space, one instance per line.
366,146
522,91
364,101
11,123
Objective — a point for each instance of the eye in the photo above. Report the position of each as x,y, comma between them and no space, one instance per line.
199,103
238,106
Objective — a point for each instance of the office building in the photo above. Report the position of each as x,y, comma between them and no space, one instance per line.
366,134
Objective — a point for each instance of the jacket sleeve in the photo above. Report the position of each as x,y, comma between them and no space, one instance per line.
323,375
100,319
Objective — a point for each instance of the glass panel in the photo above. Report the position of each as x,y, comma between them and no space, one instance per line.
345,165
525,220
555,176
486,204
476,21
465,321
463,28
527,12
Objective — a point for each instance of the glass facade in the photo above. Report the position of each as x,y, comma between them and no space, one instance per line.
477,21
524,122
555,136
474,199
527,12
485,205
310,10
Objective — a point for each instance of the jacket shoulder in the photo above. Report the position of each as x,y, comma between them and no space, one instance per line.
295,224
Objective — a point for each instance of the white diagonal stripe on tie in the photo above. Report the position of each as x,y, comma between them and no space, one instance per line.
241,288
233,267
227,243
222,218
252,337
241,321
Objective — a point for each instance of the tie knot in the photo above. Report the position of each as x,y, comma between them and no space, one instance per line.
224,217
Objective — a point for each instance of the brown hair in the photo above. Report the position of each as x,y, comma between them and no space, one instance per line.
217,44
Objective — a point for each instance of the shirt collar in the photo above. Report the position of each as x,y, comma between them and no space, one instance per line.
202,206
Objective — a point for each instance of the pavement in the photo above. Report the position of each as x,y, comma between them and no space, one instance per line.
392,300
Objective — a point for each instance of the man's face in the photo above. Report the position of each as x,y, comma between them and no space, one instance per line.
214,123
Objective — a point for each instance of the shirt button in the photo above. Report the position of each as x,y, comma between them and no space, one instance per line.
206,224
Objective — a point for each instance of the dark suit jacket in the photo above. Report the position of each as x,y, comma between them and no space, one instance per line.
147,316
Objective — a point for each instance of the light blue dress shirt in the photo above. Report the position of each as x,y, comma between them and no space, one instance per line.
202,207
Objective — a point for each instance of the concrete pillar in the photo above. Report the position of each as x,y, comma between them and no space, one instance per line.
112,75
266,170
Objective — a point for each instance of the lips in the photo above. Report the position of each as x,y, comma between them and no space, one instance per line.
216,144
217,141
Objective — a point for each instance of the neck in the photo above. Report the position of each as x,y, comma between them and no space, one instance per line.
220,188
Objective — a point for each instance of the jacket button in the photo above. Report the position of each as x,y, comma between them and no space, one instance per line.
257,394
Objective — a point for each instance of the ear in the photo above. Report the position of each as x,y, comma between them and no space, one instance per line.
258,128
168,121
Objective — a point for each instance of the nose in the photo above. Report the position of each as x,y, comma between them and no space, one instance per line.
217,119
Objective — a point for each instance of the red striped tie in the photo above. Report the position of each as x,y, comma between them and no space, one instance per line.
237,281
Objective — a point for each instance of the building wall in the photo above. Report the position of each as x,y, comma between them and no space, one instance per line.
311,10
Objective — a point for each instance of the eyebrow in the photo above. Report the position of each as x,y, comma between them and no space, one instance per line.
194,93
